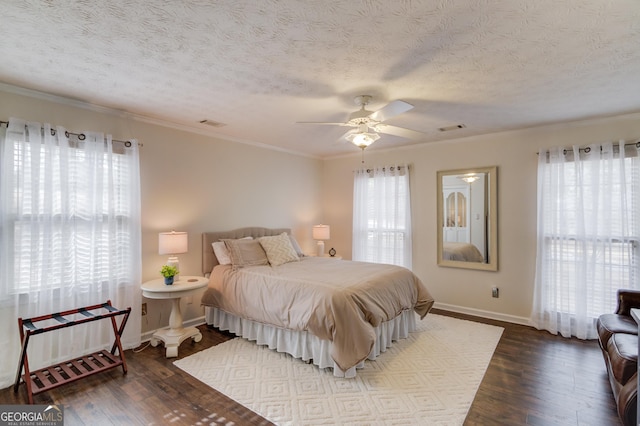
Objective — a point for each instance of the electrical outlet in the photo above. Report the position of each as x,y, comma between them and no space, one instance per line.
495,292
144,309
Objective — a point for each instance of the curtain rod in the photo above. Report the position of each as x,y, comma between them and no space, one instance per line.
587,149
384,169
80,136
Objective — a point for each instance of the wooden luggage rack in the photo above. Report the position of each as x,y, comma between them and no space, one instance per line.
77,368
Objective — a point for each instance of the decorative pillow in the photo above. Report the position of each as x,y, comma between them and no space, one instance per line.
279,249
246,253
296,246
221,252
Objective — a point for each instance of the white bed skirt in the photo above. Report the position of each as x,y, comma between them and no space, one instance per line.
303,345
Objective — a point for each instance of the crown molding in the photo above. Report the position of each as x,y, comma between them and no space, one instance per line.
31,93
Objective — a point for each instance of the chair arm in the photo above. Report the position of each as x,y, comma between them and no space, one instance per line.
628,402
627,299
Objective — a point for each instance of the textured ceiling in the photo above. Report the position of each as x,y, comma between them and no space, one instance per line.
260,66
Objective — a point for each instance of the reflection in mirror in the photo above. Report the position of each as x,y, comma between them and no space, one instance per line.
467,218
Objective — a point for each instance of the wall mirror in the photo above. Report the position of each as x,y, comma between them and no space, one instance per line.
468,218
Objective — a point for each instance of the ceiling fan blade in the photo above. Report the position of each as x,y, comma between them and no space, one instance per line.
399,131
391,110
323,123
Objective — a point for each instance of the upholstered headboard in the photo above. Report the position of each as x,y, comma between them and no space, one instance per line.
209,258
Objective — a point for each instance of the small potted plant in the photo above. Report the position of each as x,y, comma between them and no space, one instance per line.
168,272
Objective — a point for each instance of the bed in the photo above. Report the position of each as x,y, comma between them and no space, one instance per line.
334,313
461,251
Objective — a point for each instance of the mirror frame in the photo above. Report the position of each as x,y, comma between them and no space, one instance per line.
492,265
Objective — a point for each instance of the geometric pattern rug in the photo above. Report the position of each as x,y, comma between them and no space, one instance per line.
430,378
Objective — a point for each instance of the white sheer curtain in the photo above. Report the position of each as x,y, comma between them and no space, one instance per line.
69,237
382,215
588,233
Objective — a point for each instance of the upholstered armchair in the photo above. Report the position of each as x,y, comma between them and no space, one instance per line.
618,339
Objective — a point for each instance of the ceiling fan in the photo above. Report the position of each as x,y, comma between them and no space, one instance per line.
367,124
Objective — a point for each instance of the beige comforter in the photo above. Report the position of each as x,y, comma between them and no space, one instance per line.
461,251
340,301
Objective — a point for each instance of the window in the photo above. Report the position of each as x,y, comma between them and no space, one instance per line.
77,214
382,216
588,235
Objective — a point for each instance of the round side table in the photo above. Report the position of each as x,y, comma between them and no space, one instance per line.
176,333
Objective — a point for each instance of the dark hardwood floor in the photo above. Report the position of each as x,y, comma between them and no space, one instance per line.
534,378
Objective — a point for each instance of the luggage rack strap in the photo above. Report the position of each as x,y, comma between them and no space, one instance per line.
63,322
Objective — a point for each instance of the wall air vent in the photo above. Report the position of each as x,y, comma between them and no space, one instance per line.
449,128
212,123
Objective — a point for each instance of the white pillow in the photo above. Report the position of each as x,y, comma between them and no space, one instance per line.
279,249
222,253
296,246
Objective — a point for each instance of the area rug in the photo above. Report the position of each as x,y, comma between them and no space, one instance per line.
429,378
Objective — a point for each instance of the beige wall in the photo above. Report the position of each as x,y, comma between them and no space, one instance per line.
515,155
194,183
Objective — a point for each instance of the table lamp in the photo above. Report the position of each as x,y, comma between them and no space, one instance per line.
321,233
173,243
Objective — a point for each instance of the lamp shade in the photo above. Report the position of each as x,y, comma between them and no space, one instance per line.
321,232
173,242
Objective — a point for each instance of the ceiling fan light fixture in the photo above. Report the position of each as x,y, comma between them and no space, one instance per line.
362,139
470,177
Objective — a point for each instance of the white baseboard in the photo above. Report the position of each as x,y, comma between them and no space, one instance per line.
146,336
483,314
